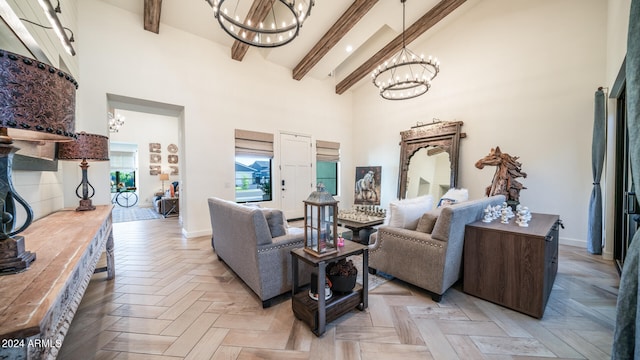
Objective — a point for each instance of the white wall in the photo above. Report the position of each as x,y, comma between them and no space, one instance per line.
521,75
218,95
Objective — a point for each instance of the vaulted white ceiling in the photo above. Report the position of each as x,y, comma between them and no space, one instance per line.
377,28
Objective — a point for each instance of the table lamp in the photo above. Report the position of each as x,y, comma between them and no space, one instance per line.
85,147
164,177
37,102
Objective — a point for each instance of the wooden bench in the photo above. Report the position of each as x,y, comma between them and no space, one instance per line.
38,304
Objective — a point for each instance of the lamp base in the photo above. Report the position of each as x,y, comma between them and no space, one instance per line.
13,257
85,205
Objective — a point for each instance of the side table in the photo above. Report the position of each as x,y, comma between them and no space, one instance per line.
316,313
510,265
169,205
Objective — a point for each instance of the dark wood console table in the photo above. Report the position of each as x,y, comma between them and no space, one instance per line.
37,305
510,265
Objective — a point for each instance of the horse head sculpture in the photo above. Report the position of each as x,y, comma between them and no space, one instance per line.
504,180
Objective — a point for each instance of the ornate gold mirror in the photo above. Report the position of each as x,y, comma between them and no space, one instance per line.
429,159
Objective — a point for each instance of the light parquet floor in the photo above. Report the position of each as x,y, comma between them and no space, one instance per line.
172,299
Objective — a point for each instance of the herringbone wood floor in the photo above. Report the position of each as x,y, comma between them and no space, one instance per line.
172,299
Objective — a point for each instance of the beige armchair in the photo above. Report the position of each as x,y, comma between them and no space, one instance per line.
431,260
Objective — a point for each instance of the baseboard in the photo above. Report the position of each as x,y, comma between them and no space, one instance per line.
193,234
573,242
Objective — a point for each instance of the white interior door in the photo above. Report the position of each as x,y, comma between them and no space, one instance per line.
296,182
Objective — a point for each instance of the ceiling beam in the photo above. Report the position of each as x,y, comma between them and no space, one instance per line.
429,19
258,12
152,15
348,20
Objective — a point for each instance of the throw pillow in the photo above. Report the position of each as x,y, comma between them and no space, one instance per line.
275,220
406,213
427,222
453,196
446,202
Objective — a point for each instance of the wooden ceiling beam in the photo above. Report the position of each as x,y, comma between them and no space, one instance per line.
258,12
152,15
428,20
346,22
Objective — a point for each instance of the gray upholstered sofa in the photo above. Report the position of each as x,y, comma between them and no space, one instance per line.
431,260
256,244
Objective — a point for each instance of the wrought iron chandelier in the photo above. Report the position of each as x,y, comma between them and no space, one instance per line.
262,25
115,122
406,75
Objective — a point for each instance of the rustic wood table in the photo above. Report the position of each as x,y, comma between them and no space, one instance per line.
38,304
316,313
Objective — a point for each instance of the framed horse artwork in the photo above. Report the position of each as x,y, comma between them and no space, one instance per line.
367,186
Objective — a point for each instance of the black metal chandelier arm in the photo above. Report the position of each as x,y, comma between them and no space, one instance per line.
242,25
255,33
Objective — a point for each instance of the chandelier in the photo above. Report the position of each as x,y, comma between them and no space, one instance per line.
406,75
262,25
115,122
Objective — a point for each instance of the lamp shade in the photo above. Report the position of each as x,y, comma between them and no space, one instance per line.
37,101
85,147
164,176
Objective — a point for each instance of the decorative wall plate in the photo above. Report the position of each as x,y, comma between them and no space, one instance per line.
172,148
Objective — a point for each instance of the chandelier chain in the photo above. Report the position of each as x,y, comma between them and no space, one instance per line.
405,75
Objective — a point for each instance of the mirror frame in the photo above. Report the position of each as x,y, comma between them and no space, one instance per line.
445,135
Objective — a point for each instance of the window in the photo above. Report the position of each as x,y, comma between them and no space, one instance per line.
123,169
122,180
254,152
327,158
327,173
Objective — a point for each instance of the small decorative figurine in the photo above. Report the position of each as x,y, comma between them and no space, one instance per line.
487,215
504,216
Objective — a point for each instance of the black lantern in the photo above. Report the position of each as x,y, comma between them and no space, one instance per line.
320,223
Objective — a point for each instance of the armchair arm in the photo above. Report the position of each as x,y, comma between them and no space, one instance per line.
411,235
274,264
290,241
409,255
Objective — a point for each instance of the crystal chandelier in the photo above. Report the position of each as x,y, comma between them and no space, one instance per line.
406,75
267,27
115,122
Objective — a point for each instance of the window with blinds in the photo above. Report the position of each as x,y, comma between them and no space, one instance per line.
327,159
123,169
254,153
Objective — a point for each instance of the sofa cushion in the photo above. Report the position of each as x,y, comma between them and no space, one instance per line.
275,220
427,222
406,213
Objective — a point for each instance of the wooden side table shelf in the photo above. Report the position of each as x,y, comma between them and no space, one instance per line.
318,313
510,265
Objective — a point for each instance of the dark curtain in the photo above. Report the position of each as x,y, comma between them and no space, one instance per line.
598,146
627,321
